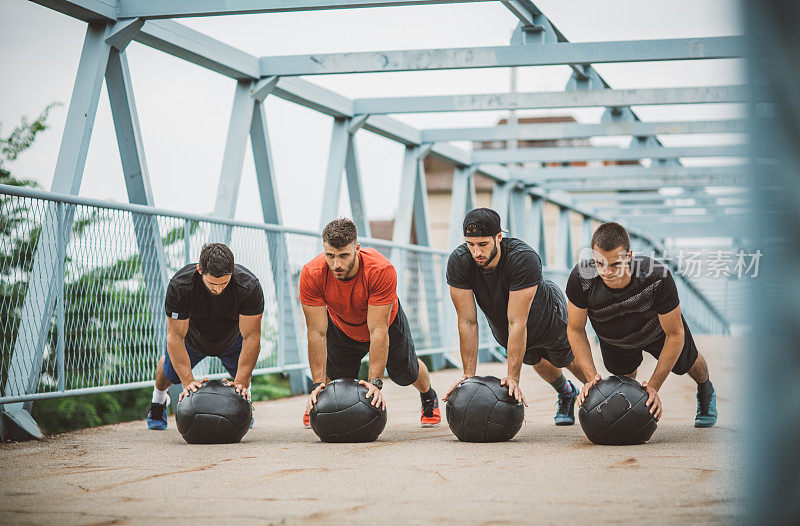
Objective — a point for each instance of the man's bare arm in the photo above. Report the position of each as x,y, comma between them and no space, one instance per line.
467,313
250,328
672,323
579,342
378,325
519,307
176,348
317,330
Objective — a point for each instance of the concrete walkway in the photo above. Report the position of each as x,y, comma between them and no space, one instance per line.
282,474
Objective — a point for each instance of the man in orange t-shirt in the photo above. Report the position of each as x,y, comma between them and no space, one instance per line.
349,298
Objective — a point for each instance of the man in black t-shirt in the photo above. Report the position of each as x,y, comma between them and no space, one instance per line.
633,305
213,308
527,313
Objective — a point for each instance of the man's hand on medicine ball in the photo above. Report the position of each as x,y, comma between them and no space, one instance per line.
514,389
374,393
585,389
192,387
312,398
653,400
241,387
453,387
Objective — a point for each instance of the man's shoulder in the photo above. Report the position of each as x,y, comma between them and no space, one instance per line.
185,277
514,247
460,253
585,273
244,278
373,260
316,266
648,269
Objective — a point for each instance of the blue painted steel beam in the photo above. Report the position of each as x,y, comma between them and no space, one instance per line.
199,49
337,154
355,187
697,230
524,10
572,154
26,361
289,337
564,240
571,173
650,196
233,158
573,130
86,10
504,56
551,99
536,228
137,183
430,281
182,8
696,204
462,200
649,184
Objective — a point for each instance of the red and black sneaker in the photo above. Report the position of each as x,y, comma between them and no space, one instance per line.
431,417
306,419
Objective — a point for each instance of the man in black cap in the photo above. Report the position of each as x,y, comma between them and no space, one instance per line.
526,312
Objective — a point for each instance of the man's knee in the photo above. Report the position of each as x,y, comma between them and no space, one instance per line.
168,371
406,375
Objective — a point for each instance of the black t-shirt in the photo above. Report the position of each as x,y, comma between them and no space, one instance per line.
626,318
519,268
213,320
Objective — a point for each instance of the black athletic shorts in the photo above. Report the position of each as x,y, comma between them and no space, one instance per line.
553,346
345,354
557,352
625,361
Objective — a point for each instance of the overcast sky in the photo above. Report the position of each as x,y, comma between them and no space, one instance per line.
184,109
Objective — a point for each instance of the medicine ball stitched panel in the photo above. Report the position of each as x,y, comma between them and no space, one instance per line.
615,413
215,414
344,414
480,410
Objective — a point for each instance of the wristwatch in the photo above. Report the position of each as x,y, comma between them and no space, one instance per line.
377,382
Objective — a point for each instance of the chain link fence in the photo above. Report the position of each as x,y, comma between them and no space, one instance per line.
82,287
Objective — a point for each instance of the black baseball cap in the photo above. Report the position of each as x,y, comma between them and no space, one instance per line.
482,222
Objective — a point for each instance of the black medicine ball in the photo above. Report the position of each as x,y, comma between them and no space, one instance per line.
343,413
480,410
215,414
614,413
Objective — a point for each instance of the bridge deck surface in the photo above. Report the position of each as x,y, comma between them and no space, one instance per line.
281,473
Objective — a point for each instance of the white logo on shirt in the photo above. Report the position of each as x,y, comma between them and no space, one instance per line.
174,316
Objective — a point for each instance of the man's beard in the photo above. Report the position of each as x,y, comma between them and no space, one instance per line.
344,275
492,254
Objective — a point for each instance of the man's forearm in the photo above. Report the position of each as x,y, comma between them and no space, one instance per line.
515,351
673,344
579,343
179,356
251,347
468,343
317,356
378,352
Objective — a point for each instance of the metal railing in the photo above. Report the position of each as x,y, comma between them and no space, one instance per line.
103,267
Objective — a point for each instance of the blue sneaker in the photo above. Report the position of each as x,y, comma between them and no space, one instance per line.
565,414
157,416
706,410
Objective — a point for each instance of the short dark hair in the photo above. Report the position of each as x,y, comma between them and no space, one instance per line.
216,259
339,233
609,236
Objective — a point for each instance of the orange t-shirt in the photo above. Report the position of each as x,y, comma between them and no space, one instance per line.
375,283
